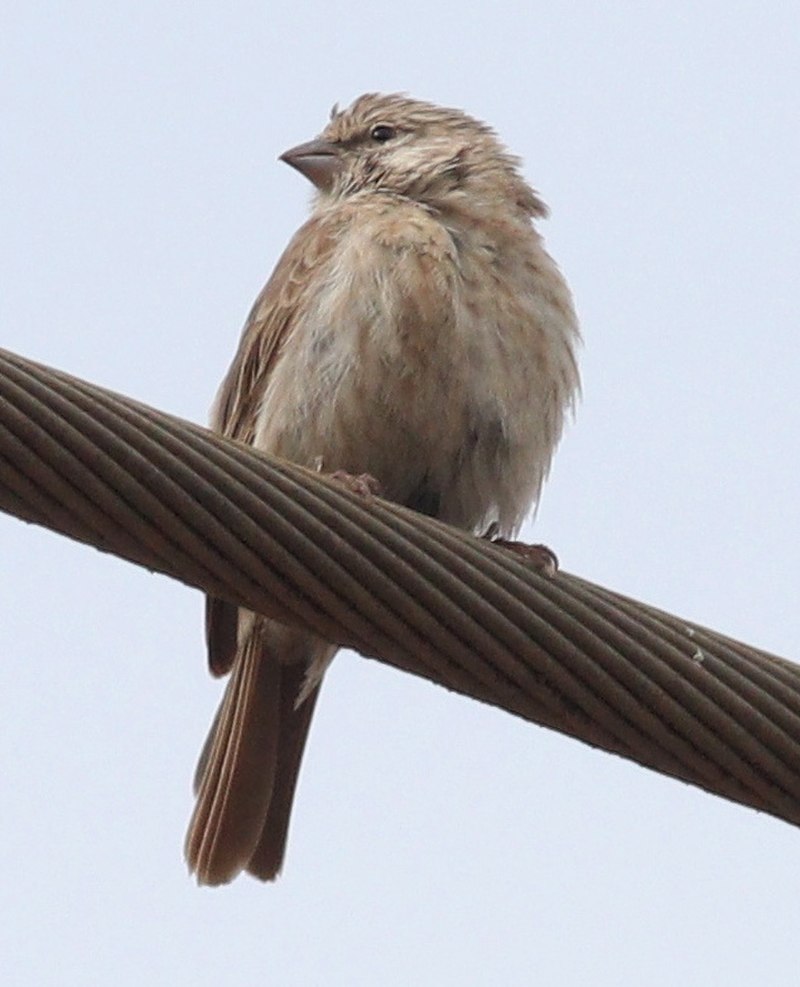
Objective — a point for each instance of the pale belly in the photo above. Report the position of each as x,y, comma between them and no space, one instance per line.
462,433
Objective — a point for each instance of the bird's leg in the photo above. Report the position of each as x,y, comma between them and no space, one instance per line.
540,557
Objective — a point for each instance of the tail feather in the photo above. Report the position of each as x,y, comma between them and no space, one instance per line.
267,858
249,764
238,762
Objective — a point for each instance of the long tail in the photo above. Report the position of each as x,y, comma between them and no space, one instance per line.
248,769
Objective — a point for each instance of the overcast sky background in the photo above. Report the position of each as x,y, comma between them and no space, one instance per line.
435,841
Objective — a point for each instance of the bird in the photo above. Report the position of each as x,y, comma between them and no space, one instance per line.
414,331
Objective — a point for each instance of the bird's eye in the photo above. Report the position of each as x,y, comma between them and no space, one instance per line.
382,133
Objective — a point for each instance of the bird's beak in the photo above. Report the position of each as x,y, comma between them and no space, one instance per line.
319,160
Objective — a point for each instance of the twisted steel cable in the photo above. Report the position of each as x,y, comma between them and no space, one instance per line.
396,586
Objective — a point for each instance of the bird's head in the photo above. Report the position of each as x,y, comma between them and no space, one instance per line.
393,144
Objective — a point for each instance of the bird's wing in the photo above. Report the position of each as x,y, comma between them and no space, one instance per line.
276,312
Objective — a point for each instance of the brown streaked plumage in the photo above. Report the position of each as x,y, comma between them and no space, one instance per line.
416,330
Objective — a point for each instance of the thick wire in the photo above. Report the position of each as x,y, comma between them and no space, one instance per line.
405,589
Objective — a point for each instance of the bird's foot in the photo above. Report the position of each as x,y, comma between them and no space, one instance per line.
361,484
539,557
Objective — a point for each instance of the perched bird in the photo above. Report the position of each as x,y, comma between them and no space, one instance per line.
414,330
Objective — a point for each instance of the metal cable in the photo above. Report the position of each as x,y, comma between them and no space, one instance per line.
396,586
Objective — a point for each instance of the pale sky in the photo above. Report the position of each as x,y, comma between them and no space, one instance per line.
435,841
